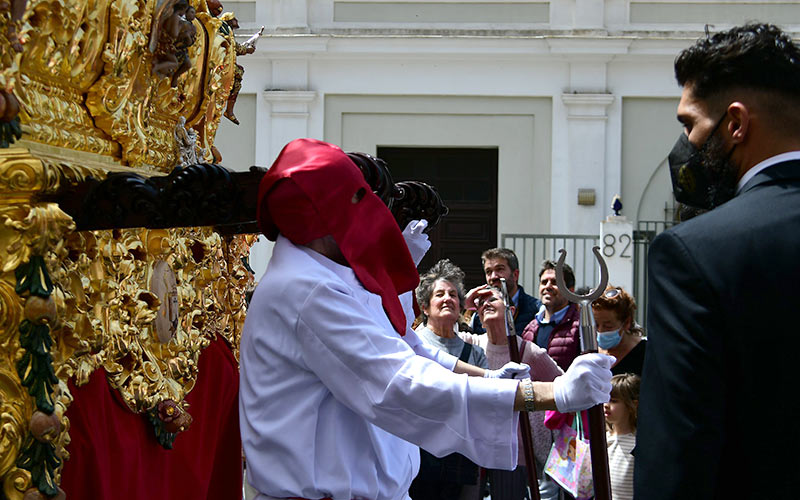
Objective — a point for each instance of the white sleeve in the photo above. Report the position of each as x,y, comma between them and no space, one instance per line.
371,370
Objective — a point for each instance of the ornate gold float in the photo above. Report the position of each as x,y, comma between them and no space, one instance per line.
90,91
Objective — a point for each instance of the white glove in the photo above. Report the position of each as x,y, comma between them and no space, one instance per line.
586,383
510,370
417,241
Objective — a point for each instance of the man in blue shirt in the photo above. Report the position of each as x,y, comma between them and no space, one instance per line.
503,263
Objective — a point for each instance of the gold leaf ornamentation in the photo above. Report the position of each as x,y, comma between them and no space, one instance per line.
136,107
21,175
61,60
219,75
108,307
15,411
10,314
15,483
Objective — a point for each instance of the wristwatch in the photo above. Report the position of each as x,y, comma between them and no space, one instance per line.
527,394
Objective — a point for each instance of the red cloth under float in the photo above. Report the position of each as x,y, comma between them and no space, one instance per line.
114,453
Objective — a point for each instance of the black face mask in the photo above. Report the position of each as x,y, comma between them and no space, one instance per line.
705,177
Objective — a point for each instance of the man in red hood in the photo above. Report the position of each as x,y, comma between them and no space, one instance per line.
336,391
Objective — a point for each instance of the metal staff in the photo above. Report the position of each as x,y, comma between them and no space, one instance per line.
588,336
524,421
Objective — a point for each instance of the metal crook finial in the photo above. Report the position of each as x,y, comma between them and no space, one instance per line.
572,296
588,338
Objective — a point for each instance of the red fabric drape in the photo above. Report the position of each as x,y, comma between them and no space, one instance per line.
115,455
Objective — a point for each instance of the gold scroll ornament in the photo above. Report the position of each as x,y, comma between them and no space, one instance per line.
90,105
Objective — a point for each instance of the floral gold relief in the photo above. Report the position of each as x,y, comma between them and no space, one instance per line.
143,304
89,90
60,62
219,75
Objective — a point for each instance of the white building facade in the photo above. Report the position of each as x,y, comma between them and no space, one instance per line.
575,96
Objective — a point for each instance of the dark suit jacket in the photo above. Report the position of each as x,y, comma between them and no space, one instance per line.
719,398
526,310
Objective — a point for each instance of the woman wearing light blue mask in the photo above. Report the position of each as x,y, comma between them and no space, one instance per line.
617,332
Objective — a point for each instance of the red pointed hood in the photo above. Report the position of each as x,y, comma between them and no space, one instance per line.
312,190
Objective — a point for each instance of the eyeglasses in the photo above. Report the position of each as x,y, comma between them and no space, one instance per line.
610,294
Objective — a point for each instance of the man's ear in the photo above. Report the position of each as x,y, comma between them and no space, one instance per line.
515,274
739,121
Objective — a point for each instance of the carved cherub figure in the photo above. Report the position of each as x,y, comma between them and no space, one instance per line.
171,38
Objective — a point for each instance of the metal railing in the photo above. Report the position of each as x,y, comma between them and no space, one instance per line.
533,249
644,234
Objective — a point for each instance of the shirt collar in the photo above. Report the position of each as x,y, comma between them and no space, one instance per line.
515,298
345,273
554,319
774,160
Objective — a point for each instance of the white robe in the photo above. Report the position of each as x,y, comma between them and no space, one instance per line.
331,398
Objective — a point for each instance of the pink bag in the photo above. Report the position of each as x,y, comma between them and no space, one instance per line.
570,462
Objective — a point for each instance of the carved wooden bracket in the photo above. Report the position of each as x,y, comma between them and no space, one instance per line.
198,195
211,195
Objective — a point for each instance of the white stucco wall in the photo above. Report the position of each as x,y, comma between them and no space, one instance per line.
577,94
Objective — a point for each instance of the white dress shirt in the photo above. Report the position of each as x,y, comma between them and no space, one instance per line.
331,398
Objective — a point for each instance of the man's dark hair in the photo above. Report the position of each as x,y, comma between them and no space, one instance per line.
569,276
501,253
753,56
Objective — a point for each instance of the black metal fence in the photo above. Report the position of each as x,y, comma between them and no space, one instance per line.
532,249
643,235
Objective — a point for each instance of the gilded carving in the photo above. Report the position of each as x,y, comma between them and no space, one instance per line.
95,96
15,483
219,73
13,35
21,175
60,62
29,230
10,316
110,291
15,407
146,88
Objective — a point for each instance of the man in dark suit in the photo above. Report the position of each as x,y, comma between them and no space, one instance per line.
503,263
719,390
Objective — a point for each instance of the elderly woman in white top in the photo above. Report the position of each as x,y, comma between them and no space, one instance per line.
511,485
440,296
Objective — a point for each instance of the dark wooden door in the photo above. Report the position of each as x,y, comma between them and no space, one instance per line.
466,179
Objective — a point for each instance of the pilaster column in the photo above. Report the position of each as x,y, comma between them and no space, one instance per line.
288,117
586,131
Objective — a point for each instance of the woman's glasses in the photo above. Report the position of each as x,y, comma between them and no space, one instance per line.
610,294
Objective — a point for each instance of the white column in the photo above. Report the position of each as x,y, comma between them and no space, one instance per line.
586,130
288,117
